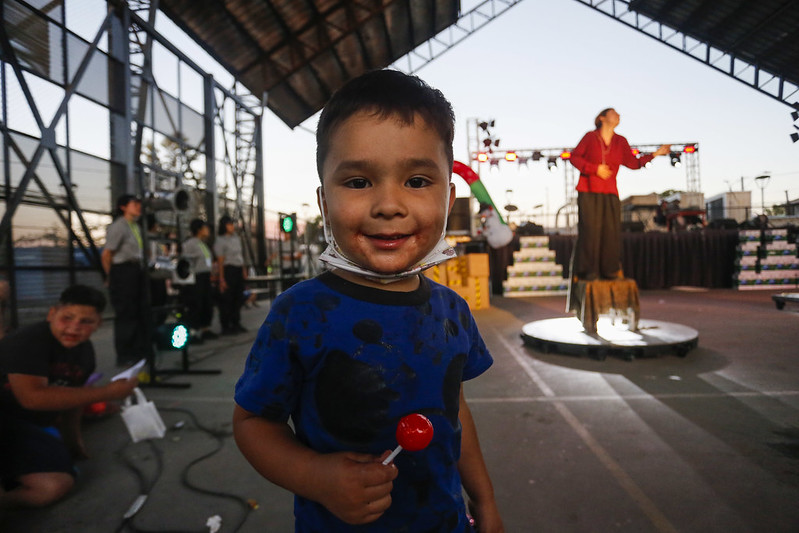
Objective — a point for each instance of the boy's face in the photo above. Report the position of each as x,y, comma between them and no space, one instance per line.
387,191
73,324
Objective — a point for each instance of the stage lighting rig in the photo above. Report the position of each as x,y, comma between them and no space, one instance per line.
489,141
795,117
675,159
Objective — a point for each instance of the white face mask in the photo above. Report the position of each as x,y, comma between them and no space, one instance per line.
333,257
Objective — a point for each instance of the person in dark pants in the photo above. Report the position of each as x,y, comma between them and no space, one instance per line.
198,296
232,273
123,262
598,157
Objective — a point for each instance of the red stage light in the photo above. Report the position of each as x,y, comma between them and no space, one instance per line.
689,149
636,151
482,157
565,154
510,156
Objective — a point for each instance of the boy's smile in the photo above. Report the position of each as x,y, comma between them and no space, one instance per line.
387,191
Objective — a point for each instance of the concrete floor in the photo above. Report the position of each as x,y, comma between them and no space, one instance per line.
705,443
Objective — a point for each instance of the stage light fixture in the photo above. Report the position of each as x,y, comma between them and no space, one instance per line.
494,164
552,163
486,142
635,151
689,148
795,115
172,336
675,159
522,160
177,200
565,154
482,157
795,137
510,156
288,222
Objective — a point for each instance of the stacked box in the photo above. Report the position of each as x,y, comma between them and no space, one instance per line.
534,271
777,267
437,273
467,275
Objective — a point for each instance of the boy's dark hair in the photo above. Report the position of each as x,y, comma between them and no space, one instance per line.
83,295
386,93
196,225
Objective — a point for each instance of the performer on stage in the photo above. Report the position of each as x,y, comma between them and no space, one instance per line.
597,252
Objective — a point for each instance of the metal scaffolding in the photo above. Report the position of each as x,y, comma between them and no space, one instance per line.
88,115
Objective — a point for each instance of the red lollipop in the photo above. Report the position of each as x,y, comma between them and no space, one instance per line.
414,433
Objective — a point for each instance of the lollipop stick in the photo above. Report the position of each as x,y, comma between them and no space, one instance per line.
393,455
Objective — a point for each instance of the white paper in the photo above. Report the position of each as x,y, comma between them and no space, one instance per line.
131,372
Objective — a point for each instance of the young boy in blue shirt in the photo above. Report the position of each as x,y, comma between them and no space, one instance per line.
347,354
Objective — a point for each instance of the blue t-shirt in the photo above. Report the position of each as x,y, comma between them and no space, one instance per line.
346,362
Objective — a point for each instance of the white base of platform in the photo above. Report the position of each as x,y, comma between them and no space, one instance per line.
525,294
567,335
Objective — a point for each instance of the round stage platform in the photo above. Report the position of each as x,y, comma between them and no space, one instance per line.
567,336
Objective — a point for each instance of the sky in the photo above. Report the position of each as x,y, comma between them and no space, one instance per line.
542,71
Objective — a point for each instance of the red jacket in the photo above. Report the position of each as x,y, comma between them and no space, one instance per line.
591,152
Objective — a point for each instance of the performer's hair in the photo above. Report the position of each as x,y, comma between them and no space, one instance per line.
598,119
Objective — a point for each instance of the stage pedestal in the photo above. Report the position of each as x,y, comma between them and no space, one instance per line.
650,339
616,297
781,299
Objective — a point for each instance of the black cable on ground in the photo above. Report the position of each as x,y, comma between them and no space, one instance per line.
145,488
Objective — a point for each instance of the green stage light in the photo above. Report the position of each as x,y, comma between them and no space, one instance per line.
288,223
174,336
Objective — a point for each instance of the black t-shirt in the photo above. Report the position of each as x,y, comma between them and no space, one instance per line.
34,350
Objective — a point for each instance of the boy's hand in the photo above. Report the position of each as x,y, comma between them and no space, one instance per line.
121,388
355,487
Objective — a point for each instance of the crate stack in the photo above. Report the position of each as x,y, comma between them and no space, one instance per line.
534,271
468,275
778,267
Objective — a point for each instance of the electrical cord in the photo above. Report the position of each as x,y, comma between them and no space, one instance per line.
146,488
